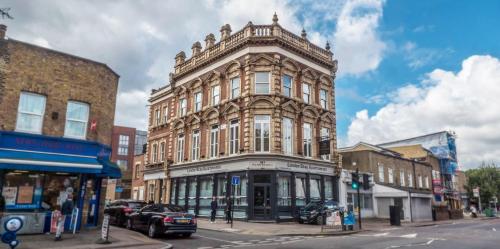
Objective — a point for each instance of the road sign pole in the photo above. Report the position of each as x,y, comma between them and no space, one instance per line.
359,204
232,206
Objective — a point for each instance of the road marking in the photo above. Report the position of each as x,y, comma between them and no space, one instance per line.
429,242
380,234
205,247
409,236
205,237
494,229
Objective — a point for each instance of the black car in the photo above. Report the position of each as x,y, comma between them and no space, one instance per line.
159,219
313,212
119,210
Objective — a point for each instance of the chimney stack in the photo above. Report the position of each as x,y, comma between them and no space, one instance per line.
3,30
209,41
225,32
196,48
180,58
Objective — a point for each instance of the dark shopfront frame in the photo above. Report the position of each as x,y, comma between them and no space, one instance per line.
275,209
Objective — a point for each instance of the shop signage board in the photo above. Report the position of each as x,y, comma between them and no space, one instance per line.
10,195
105,228
25,195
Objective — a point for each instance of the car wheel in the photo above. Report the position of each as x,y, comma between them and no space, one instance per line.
129,224
301,221
152,230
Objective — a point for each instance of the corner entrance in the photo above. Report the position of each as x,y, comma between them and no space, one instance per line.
262,197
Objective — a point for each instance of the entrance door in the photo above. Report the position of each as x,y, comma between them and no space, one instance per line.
399,202
262,201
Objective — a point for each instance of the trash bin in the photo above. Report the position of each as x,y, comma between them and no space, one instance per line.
395,215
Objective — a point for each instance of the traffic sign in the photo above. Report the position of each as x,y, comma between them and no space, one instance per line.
235,180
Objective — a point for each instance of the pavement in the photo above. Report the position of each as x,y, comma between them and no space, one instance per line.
87,238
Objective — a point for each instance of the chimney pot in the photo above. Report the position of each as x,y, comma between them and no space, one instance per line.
3,31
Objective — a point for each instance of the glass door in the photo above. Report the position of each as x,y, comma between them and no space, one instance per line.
262,201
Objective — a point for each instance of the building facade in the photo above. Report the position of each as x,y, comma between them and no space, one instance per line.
257,105
138,187
56,119
394,181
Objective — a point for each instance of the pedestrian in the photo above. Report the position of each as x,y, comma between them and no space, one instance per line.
473,211
229,208
66,210
213,205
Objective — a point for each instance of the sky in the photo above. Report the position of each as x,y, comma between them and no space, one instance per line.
406,68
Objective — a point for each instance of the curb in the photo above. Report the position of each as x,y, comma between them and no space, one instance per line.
294,234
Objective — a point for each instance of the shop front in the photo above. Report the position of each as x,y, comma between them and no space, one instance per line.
38,173
269,189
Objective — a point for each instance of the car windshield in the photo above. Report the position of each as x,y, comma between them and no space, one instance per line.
312,206
331,204
173,208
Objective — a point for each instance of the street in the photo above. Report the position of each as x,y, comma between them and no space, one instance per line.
460,234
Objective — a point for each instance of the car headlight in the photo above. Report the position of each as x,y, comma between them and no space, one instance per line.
314,212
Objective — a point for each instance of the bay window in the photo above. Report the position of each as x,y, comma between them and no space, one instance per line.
307,133
234,137
300,191
262,82
262,131
214,141
77,116
30,112
287,136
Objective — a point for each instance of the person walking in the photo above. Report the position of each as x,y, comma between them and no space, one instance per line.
66,210
229,208
213,205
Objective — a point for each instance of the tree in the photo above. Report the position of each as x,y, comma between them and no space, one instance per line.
487,178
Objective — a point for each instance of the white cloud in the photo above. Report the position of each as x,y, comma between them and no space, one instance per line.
357,44
418,57
42,42
466,102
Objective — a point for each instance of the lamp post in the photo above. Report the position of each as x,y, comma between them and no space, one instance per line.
358,194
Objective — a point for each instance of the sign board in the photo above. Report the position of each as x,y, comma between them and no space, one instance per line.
105,228
475,192
119,189
25,195
10,195
235,180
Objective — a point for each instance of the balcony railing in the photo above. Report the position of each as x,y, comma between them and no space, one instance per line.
254,32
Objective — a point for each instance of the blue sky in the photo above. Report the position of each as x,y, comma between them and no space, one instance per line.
406,68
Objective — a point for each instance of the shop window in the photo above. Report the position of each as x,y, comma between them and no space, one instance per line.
235,87
325,135
234,137
195,153
181,200
287,85
284,191
240,198
206,194
215,95
77,116
30,112
123,145
197,102
221,195
328,188
214,141
314,189
192,196
262,82
173,191
262,131
300,191
287,136
307,133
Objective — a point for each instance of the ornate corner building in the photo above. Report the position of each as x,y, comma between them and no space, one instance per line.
260,105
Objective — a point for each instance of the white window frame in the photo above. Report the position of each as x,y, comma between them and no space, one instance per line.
41,115
268,83
214,141
381,176
287,145
180,148
233,88
155,153
426,181
162,151
402,178
410,180
198,102
306,97
287,91
390,175
260,122
68,119
307,140
420,185
157,117
195,152
215,95
323,101
182,107
325,132
165,114
122,146
234,137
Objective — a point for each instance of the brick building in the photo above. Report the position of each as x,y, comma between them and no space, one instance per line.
395,181
56,119
138,187
255,105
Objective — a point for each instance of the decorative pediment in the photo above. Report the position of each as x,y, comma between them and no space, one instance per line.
234,65
195,83
194,119
325,79
180,90
214,75
310,111
211,113
291,106
262,102
230,108
262,59
179,124
290,64
309,73
328,117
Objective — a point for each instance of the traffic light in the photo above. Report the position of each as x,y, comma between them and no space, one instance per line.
355,181
366,181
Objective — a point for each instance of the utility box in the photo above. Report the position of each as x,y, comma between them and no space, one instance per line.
395,215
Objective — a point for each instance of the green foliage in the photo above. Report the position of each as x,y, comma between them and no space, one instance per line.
487,178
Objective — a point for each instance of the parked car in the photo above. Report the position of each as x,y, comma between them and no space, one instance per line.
313,212
119,210
160,219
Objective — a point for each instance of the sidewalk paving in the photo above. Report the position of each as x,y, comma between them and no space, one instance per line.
86,239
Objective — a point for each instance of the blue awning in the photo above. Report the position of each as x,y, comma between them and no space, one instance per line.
55,162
